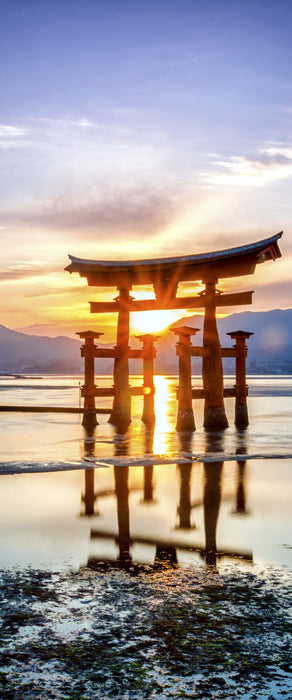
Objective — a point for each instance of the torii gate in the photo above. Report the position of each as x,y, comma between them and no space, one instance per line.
165,274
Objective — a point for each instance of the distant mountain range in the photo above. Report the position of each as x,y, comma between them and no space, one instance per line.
269,349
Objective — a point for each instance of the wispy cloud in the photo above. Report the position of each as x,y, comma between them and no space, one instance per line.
82,123
131,211
9,131
12,136
271,162
24,270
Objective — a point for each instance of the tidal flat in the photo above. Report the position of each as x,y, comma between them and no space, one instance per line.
136,566
170,633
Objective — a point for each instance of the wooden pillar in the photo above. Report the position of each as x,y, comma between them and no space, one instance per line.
212,369
241,508
185,508
185,417
123,515
148,484
89,497
88,390
212,499
148,353
121,410
165,557
241,414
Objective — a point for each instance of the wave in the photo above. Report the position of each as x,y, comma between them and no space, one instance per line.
11,467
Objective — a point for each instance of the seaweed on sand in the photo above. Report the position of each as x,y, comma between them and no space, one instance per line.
177,634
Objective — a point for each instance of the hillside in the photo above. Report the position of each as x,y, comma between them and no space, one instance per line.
269,349
20,352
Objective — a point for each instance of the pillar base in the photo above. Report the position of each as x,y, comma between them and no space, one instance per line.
148,416
165,557
121,418
210,556
185,422
215,419
241,417
89,421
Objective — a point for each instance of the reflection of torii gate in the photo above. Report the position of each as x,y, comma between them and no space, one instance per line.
165,274
166,549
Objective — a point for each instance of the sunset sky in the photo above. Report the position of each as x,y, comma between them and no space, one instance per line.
133,129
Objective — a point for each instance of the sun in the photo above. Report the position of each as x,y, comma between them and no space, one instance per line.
152,321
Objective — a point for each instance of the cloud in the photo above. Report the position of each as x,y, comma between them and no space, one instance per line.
270,163
9,131
11,136
103,211
24,271
82,123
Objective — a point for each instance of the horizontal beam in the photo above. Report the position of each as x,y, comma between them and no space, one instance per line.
100,391
104,392
197,351
198,302
153,541
132,354
135,354
106,352
229,392
198,393
134,391
201,394
234,299
48,409
229,352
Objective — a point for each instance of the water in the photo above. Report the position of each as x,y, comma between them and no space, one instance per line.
144,565
68,500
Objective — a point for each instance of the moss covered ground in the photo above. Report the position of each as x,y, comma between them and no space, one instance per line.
179,633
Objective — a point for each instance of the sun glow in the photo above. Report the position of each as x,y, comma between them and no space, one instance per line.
152,321
163,412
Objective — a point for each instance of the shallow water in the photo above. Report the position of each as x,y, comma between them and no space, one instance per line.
68,499
145,564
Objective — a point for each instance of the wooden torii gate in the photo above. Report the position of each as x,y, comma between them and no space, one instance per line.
165,274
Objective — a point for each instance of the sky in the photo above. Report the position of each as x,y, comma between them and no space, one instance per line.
138,129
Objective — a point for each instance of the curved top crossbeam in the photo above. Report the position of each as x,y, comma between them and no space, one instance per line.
230,262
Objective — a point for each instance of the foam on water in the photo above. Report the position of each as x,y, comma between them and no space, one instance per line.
36,466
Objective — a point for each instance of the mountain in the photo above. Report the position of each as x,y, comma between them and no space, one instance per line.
20,352
269,349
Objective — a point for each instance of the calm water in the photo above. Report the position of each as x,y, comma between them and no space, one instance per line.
68,499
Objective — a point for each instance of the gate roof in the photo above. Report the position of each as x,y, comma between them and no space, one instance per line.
230,262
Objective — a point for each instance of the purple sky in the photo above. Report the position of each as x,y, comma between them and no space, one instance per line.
133,129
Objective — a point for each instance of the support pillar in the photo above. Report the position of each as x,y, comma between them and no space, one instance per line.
123,515
185,508
89,497
241,414
212,369
148,485
148,353
212,500
185,417
88,390
121,410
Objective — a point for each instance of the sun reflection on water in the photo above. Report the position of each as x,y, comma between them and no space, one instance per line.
164,415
